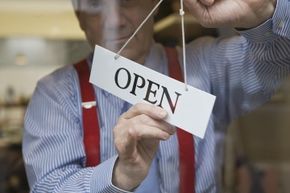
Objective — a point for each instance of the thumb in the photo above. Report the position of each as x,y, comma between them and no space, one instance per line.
200,10
195,7
207,2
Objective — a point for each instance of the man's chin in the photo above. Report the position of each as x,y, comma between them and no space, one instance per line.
129,54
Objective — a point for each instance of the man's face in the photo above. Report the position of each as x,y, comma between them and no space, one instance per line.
110,23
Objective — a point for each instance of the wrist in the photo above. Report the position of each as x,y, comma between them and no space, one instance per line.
263,14
127,176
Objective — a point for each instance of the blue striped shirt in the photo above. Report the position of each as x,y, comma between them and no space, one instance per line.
242,71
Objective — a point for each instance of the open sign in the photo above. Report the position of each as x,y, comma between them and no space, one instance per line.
187,109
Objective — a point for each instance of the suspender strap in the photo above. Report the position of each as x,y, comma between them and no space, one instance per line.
90,117
185,139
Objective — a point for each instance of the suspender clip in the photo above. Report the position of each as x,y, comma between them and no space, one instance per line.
89,105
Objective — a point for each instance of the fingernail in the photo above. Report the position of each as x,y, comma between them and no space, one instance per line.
173,128
166,136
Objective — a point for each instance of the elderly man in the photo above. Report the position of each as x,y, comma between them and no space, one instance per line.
138,150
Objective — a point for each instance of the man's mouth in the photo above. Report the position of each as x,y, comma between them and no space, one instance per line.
116,42
122,39
117,37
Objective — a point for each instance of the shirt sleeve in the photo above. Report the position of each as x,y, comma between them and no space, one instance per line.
244,71
52,143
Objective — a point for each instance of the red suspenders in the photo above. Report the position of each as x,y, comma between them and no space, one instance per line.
90,116
92,131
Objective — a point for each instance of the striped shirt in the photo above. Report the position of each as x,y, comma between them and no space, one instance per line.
242,71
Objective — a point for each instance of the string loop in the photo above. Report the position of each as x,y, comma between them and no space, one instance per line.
181,13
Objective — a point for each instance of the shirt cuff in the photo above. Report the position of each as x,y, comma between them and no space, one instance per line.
102,177
278,25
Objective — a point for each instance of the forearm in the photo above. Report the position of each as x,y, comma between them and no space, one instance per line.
73,178
66,179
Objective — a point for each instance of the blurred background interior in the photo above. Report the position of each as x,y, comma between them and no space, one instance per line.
38,36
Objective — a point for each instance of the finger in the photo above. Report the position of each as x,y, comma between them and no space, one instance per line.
126,144
128,132
164,126
200,11
148,132
195,7
152,111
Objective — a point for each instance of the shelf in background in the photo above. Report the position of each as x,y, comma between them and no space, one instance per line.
168,29
52,19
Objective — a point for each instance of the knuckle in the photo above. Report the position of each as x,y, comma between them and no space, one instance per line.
138,107
132,132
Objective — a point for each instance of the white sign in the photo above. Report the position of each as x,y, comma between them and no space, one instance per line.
189,110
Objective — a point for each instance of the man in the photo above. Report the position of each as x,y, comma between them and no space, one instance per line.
139,150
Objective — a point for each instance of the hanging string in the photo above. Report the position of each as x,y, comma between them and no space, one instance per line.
138,29
181,13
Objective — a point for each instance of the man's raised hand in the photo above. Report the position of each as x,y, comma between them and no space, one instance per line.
233,13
